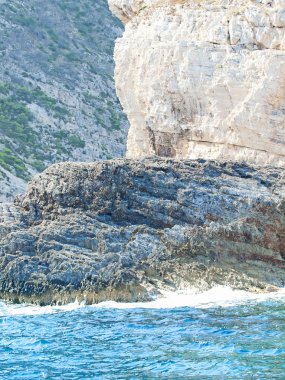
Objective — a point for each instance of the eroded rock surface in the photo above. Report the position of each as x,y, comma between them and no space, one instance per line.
126,229
203,79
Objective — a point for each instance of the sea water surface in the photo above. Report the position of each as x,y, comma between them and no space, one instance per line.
219,334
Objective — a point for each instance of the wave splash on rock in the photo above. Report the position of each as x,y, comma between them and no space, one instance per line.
219,296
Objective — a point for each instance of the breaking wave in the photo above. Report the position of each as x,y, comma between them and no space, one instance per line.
219,296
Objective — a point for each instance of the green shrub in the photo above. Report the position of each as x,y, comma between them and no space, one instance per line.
75,141
9,160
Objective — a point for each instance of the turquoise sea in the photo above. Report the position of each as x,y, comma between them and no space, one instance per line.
219,334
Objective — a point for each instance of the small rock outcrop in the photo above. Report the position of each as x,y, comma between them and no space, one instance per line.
203,79
125,229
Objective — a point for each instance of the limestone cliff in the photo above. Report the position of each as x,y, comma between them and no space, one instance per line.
203,78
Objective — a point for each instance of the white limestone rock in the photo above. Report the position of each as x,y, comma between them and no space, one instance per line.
127,9
203,79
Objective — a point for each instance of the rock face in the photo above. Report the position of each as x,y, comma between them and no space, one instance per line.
203,79
126,229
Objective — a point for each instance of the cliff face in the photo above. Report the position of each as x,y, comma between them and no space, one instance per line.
203,78
57,94
126,229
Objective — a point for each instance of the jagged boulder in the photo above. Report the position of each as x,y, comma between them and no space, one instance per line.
126,229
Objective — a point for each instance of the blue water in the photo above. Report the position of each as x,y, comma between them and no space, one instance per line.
215,340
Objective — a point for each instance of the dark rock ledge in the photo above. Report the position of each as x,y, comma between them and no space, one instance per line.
125,229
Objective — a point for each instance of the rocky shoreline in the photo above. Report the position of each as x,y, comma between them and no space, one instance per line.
126,229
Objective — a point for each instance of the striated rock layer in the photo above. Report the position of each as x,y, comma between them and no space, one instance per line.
203,79
126,229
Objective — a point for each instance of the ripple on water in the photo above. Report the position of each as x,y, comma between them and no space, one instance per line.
245,340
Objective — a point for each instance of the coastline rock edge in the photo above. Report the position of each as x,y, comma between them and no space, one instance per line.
126,229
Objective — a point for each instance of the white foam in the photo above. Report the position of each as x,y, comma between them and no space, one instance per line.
218,296
25,309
